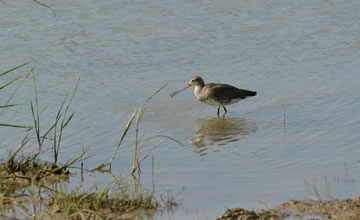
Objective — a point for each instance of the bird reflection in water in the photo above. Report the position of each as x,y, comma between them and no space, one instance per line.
220,131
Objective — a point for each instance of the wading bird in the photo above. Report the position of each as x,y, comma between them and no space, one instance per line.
216,94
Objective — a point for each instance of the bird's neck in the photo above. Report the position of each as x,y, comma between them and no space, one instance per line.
197,90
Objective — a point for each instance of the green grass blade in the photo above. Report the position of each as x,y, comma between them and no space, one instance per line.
102,195
68,120
52,127
16,126
7,106
15,68
56,144
7,84
37,119
61,107
36,124
123,135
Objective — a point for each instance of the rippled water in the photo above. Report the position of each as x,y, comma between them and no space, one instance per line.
299,133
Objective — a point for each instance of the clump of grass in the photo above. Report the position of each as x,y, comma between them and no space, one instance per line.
18,171
102,204
57,128
27,166
22,169
26,170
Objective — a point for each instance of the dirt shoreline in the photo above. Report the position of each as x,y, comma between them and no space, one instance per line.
317,209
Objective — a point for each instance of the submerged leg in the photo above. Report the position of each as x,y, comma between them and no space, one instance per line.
218,112
225,110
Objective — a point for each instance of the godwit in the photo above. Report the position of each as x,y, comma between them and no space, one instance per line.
216,94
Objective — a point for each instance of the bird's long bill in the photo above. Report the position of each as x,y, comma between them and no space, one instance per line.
178,91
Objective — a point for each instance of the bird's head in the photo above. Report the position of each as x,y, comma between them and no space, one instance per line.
194,81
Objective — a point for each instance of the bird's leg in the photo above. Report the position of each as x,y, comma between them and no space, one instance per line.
218,112
225,110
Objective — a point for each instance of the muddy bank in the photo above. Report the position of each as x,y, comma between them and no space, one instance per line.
318,209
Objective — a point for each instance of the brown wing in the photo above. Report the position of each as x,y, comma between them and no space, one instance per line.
225,93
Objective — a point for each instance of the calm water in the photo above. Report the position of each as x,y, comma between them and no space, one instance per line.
300,131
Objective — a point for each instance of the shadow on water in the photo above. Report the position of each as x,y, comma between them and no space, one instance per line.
220,131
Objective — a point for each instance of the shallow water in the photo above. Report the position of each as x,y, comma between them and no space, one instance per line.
298,135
